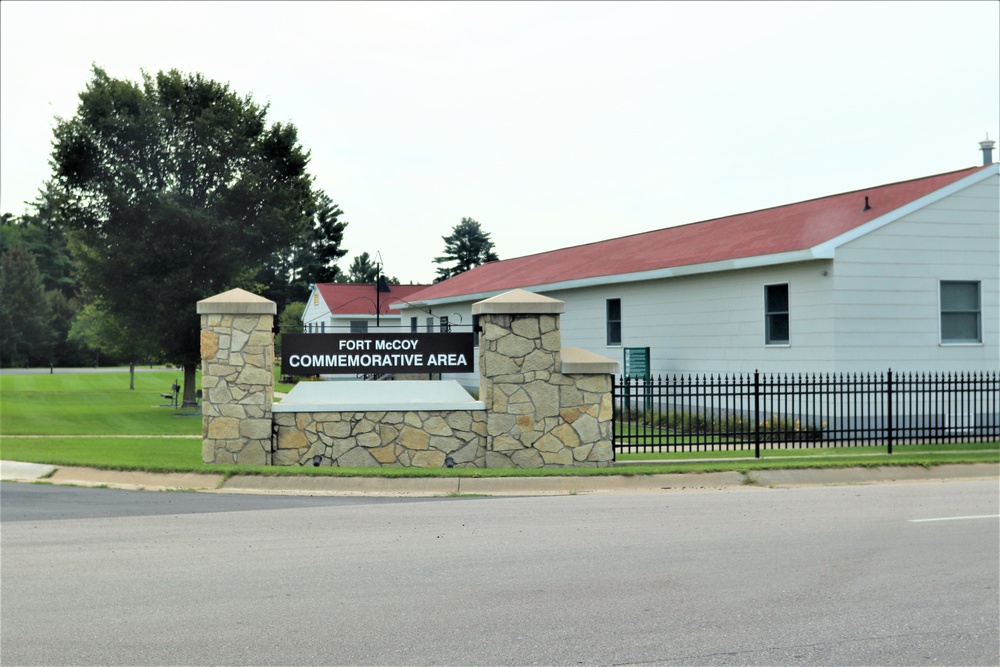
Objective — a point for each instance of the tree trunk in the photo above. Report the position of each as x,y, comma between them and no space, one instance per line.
189,400
131,376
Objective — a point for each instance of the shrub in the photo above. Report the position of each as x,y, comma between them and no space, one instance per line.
694,422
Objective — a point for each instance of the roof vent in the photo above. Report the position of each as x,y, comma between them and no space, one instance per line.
987,148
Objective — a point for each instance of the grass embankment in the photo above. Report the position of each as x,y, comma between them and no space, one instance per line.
94,420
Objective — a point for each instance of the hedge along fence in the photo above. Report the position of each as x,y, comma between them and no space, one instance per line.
679,423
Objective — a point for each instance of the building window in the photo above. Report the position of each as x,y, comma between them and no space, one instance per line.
776,314
961,313
614,320
322,327
413,325
430,325
359,326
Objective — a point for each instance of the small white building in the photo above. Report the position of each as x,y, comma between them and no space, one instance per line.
903,276
358,308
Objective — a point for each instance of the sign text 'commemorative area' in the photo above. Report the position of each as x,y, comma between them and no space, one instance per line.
329,354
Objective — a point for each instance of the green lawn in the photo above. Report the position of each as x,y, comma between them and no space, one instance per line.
147,453
92,404
101,407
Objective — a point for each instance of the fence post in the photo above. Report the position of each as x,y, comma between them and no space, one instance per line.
756,410
888,398
616,419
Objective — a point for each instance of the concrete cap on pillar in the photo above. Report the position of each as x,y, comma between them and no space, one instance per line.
519,302
237,302
576,360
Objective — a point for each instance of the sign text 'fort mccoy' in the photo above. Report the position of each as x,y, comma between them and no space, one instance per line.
332,354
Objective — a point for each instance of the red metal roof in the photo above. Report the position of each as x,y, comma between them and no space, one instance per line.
360,298
769,231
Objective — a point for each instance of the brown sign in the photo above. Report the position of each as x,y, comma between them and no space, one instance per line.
362,354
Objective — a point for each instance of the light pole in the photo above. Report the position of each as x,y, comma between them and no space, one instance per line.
380,286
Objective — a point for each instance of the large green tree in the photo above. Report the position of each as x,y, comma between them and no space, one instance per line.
318,261
43,232
465,248
104,336
313,259
175,188
40,233
26,335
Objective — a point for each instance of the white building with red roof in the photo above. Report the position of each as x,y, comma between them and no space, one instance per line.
904,275
357,308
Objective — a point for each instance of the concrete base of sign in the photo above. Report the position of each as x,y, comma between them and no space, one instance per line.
377,396
362,424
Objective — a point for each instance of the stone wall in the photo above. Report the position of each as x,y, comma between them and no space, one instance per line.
545,406
394,438
539,416
237,380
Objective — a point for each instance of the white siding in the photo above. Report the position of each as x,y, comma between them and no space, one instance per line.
708,323
385,324
316,312
887,307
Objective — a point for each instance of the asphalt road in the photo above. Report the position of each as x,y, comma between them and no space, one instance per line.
33,502
901,574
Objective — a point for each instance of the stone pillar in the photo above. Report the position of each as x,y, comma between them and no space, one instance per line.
237,377
537,416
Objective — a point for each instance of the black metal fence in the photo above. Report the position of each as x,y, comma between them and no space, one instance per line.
781,411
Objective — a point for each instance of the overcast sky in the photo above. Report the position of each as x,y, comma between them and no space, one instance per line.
551,124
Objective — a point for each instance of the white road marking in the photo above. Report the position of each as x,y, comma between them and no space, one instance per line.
957,518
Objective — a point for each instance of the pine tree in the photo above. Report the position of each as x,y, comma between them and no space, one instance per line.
465,248
26,335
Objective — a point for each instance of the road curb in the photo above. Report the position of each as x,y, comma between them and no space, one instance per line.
376,486
490,486
885,475
118,479
602,484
